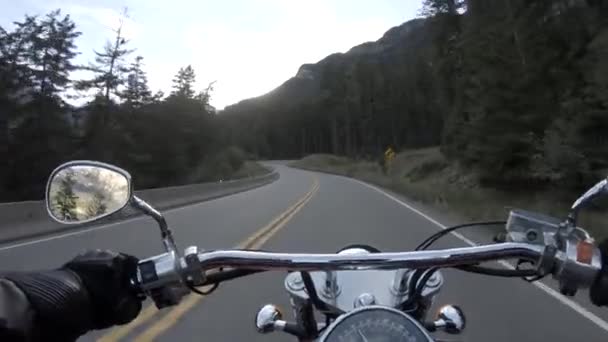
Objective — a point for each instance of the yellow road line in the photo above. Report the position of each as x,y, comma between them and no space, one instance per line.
272,230
280,219
259,238
170,319
254,241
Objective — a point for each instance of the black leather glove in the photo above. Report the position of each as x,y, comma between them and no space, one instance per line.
107,277
90,292
599,289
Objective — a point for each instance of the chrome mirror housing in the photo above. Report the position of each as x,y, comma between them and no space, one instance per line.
598,189
266,318
85,191
451,319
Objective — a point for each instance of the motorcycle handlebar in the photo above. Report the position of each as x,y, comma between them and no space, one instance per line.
334,262
574,266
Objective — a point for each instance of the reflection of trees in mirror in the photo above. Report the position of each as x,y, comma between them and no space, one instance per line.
85,192
64,200
114,186
97,206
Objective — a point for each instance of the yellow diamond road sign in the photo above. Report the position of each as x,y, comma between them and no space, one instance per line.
389,154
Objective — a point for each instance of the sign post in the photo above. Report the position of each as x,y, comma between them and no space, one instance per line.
389,156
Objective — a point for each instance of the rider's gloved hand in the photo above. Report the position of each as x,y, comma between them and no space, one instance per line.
107,277
92,291
599,289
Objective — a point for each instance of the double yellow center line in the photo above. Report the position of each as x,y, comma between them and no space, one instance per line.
254,241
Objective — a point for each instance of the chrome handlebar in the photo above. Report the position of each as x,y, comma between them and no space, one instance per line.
165,277
335,262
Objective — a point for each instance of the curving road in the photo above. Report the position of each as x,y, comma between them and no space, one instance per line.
339,212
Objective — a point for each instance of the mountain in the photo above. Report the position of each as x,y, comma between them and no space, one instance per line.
516,91
306,85
327,106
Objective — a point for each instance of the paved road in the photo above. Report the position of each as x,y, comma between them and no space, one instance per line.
341,212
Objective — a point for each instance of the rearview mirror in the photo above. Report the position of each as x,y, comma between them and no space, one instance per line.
85,191
597,190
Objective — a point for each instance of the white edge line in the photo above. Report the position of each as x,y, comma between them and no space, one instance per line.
110,225
548,290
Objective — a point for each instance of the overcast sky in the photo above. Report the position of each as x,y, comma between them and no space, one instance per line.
248,46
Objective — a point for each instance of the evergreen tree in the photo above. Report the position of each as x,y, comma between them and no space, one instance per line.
137,92
50,56
65,201
183,83
158,96
109,66
97,206
35,59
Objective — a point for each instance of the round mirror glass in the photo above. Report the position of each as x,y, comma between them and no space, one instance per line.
78,193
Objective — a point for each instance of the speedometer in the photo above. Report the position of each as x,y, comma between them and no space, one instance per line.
375,324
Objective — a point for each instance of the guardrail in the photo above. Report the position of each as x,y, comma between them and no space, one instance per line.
20,220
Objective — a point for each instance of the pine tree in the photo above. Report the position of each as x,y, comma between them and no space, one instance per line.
158,96
15,53
204,97
137,92
51,53
109,66
97,206
65,201
35,58
183,83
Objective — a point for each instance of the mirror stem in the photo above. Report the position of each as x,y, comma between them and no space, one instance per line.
165,231
572,216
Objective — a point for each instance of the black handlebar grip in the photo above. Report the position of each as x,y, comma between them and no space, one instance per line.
599,288
294,329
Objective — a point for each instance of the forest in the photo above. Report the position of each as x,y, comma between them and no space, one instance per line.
162,140
515,90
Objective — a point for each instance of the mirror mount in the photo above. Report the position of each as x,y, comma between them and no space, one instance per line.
165,231
601,188
84,191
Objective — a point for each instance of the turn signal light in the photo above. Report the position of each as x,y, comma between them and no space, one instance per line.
584,252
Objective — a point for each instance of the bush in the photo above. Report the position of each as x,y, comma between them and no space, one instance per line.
427,168
221,165
234,156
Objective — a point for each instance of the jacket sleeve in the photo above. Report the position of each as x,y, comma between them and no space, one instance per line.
16,313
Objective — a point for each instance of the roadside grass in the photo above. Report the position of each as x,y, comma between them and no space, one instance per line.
424,175
223,171
228,163
250,169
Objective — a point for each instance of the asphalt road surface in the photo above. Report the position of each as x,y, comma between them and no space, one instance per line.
341,212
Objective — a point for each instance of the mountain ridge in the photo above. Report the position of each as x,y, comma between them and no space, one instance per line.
308,74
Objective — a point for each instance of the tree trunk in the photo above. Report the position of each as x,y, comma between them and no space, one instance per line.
516,39
110,75
475,7
334,135
347,136
303,142
452,7
43,75
4,152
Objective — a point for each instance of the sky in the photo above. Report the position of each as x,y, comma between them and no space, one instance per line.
248,47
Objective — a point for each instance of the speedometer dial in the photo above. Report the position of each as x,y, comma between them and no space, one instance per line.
375,324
